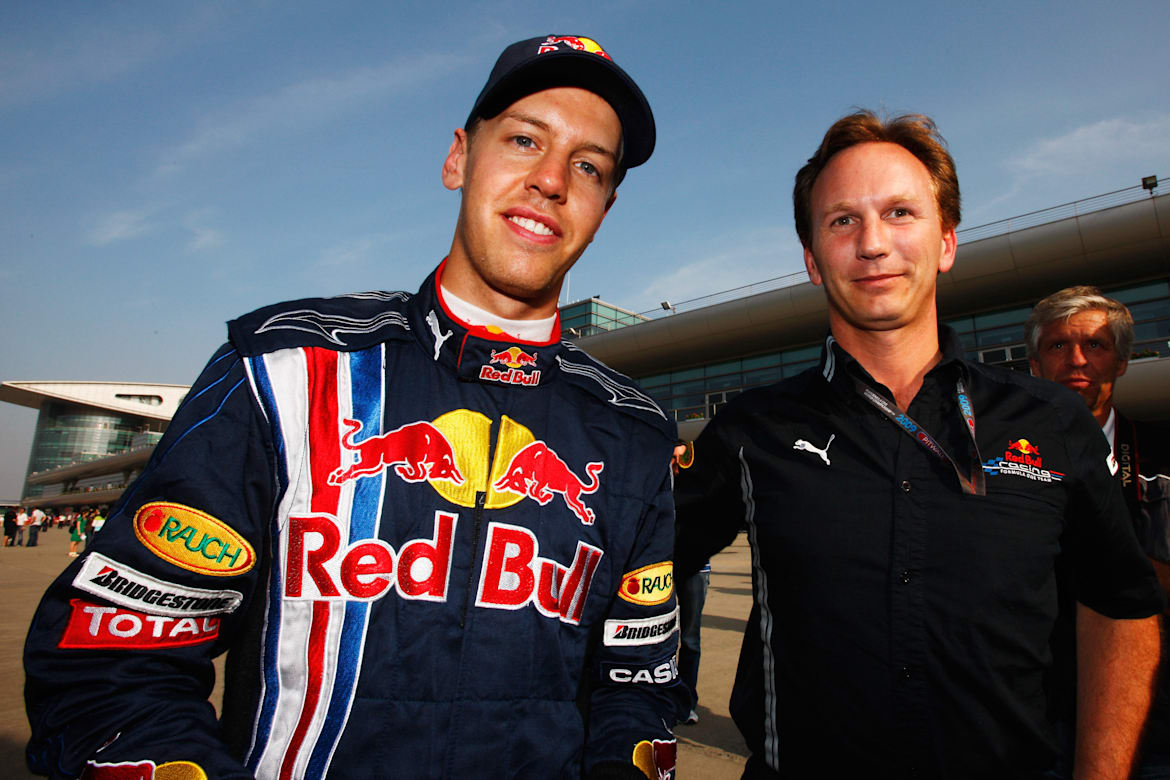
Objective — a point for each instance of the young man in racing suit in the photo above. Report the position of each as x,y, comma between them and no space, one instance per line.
436,539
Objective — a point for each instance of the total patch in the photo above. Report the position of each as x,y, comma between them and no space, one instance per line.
143,770
650,585
193,540
119,584
96,626
640,631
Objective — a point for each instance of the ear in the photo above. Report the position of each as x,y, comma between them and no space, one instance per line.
1121,366
609,202
454,165
1035,366
950,245
810,265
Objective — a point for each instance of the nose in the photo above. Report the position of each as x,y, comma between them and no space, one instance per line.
872,241
549,176
1076,355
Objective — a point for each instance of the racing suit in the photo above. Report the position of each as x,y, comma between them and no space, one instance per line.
433,551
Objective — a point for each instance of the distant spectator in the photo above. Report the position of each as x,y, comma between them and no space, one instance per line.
9,527
77,533
22,521
36,520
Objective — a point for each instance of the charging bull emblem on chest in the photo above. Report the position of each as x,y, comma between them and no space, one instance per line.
538,472
418,451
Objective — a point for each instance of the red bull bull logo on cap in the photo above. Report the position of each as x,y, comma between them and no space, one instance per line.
554,42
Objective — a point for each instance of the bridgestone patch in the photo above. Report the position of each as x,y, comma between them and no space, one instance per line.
119,584
642,631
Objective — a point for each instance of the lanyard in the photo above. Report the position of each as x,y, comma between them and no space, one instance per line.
973,484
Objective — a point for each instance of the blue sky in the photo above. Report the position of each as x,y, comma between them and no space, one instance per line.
165,167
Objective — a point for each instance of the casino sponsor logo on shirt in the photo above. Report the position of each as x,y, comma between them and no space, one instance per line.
192,540
118,583
640,631
514,360
656,758
95,626
143,770
450,454
1022,459
649,585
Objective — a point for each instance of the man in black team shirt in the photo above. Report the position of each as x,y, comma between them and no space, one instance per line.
906,508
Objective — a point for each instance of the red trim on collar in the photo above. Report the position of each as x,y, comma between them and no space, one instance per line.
480,331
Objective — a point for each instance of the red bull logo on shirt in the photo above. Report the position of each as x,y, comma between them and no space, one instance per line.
450,454
513,574
515,359
1022,459
1023,451
539,473
417,451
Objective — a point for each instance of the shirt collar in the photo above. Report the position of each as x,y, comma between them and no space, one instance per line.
477,353
839,368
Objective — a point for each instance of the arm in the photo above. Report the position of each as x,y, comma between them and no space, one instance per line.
637,696
708,502
1117,661
118,657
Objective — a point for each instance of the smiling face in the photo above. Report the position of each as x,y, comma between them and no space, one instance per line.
537,180
1079,352
877,242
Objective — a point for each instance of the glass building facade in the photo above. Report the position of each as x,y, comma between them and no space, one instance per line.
995,337
585,318
69,433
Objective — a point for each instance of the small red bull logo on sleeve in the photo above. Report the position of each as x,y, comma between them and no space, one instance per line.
143,770
656,758
577,43
538,472
417,451
515,360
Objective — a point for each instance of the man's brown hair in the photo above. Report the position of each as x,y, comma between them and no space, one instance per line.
916,133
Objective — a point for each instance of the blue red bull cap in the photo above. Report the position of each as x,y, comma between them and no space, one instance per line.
569,61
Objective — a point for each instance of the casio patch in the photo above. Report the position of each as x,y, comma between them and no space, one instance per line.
119,584
641,631
94,626
192,540
143,770
660,672
649,585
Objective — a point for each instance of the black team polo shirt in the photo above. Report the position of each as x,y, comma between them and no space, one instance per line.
900,626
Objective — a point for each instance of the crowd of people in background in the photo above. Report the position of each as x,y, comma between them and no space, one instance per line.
22,528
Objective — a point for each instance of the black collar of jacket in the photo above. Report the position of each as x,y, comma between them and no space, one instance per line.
839,368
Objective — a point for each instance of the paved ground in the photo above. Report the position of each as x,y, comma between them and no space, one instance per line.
712,749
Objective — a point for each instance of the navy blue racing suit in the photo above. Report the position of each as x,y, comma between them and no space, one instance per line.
432,550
